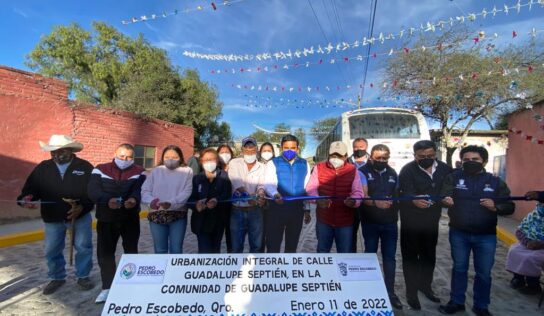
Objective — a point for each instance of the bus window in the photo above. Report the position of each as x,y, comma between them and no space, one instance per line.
384,125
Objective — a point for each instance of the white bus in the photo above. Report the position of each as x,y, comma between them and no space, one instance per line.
397,128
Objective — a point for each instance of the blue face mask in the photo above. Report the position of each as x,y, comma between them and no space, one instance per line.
289,154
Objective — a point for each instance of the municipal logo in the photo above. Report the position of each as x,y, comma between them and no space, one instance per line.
488,188
461,185
128,271
343,267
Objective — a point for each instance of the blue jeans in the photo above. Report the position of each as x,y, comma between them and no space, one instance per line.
168,238
250,222
55,234
483,249
388,235
326,234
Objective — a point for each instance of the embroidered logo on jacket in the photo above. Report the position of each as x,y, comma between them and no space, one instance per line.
78,172
488,188
461,185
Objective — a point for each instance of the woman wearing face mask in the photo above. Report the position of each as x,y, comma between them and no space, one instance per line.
226,154
166,191
266,153
210,214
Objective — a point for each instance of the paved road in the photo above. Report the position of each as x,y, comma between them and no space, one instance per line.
23,275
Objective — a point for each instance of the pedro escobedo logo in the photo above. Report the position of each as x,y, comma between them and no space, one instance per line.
128,271
343,267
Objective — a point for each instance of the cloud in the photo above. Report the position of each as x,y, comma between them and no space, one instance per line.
20,12
243,108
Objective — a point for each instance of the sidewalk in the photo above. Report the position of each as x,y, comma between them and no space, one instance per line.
23,274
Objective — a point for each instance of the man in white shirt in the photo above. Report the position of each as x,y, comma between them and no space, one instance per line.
247,177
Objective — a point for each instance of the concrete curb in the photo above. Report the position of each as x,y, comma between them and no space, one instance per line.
35,235
506,237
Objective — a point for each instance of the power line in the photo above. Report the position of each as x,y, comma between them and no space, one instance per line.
373,6
325,36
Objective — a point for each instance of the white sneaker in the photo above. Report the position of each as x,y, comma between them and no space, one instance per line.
102,297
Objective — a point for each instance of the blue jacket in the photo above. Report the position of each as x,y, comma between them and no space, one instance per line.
291,176
382,185
466,190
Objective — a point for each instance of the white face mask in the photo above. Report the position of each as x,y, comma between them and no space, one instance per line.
267,155
123,164
225,157
336,162
250,158
209,166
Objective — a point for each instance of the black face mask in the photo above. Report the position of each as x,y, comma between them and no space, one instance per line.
425,162
472,167
359,153
379,165
61,158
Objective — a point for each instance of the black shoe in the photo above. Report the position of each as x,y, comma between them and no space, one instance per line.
517,283
413,302
531,289
481,311
431,296
85,284
395,301
451,308
53,286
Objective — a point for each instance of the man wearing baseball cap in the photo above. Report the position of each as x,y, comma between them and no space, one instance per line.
58,186
247,178
341,181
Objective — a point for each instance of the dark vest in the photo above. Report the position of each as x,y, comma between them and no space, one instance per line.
380,185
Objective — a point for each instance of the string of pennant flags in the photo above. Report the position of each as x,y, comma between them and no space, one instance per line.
213,5
480,39
523,135
326,49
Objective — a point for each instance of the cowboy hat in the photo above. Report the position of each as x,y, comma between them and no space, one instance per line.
61,141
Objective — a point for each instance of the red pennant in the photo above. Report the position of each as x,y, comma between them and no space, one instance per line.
476,40
259,69
346,59
530,69
540,142
320,61
241,69
374,55
372,85
514,34
518,132
406,50
213,71
275,66
528,137
395,82
474,75
214,6
282,88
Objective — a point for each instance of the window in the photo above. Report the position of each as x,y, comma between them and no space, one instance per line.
144,156
384,125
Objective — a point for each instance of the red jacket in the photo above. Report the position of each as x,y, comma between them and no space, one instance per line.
336,182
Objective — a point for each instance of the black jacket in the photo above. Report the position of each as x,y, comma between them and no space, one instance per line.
382,185
215,219
108,181
414,181
45,184
466,190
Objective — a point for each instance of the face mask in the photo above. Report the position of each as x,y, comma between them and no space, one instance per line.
472,167
425,162
379,165
171,163
289,154
209,166
336,162
61,159
267,155
250,158
359,153
225,157
123,164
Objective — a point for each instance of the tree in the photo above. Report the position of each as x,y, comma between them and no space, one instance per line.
109,68
280,130
321,128
459,85
216,134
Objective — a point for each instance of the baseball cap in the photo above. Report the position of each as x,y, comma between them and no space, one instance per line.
249,140
338,147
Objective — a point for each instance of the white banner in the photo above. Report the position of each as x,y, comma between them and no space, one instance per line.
248,284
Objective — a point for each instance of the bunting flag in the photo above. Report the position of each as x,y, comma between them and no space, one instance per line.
255,101
326,49
211,6
523,135
361,58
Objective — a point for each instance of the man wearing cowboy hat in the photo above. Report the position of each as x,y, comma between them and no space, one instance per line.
58,186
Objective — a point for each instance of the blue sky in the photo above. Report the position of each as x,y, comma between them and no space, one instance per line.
257,26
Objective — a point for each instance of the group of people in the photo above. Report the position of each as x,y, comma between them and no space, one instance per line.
266,199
